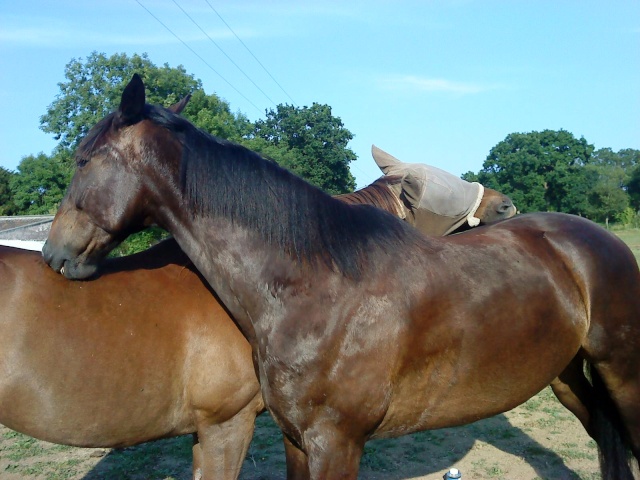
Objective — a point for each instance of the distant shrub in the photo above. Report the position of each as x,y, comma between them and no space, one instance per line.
140,241
627,217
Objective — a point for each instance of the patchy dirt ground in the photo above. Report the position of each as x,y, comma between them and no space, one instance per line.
538,440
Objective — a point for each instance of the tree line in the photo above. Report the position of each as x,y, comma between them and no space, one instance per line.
309,141
541,171
552,171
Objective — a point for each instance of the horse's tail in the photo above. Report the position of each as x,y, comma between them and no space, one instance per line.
608,431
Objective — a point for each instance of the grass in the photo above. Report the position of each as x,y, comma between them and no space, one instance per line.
32,458
630,236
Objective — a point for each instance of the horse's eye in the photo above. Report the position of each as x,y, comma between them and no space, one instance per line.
82,162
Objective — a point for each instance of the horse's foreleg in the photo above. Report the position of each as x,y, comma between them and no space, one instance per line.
222,447
297,461
196,452
332,453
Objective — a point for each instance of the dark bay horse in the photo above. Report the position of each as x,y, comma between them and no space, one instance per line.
361,327
159,287
168,331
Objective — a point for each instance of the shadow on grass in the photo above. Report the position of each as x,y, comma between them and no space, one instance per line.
420,454
434,452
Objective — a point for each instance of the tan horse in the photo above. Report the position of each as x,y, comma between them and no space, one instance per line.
145,352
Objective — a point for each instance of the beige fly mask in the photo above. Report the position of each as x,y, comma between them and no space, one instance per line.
433,195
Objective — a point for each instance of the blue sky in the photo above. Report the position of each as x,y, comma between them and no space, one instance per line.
438,82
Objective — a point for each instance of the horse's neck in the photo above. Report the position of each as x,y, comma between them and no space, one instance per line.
402,211
382,195
240,268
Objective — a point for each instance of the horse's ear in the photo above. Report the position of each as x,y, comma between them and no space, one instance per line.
412,189
385,161
133,100
179,107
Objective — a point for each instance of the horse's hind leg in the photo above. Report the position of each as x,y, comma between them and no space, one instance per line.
575,392
613,349
604,415
616,420
622,380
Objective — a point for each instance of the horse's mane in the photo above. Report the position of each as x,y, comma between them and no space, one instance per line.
93,138
378,194
219,177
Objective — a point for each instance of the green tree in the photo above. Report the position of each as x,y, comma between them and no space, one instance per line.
213,115
633,187
40,183
277,153
541,171
7,206
93,89
611,196
626,159
470,176
311,142
629,159
607,198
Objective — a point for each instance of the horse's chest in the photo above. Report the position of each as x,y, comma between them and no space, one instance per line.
327,353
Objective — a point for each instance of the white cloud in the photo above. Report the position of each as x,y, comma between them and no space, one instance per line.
415,83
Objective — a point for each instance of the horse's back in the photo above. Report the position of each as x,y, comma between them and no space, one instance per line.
17,262
585,259
580,252
135,352
595,258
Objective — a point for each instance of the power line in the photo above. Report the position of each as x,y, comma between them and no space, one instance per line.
248,50
196,54
223,52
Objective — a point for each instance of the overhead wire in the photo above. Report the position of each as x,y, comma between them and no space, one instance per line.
353,165
223,52
200,57
228,57
251,53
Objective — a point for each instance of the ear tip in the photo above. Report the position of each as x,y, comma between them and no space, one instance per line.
136,81
133,99
384,160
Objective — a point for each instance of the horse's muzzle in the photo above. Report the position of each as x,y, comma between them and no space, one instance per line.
68,265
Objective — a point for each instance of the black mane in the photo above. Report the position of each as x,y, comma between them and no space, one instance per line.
219,177
93,139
